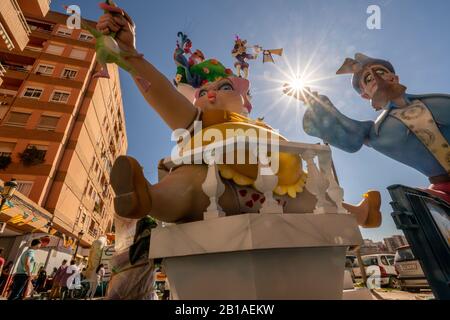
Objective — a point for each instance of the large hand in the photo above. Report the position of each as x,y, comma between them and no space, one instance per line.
117,21
320,115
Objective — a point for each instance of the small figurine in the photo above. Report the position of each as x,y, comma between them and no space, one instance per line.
240,54
184,65
412,129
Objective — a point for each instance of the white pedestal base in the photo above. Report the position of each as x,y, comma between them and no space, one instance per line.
257,256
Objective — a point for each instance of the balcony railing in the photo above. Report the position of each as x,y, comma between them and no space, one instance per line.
93,233
33,48
20,68
8,93
321,181
21,16
2,70
4,35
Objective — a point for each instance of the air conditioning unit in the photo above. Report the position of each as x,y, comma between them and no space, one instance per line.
2,227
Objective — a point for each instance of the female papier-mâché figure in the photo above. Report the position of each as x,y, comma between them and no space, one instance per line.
211,93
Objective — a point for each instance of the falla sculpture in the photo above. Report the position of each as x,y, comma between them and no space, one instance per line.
204,97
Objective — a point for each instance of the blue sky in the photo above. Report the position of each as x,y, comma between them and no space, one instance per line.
413,37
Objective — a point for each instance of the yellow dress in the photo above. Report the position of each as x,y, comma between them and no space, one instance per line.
291,177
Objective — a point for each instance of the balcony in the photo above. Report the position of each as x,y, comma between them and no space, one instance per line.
17,72
2,73
35,7
8,94
14,23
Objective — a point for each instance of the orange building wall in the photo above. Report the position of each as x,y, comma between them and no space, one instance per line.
61,183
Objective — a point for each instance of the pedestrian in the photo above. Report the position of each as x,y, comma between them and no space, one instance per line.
56,286
40,281
2,260
66,275
24,271
5,275
53,274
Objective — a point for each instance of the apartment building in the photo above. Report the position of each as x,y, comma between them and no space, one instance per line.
395,242
60,129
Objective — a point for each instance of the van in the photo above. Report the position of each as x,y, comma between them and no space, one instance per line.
411,277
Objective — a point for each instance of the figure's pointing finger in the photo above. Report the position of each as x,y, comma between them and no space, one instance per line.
109,8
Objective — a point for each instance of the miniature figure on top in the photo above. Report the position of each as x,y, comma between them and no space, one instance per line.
205,91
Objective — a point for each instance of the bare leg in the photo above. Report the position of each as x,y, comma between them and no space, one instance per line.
238,70
360,211
367,212
246,73
178,197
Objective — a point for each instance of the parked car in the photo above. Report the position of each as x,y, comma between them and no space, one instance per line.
410,273
385,263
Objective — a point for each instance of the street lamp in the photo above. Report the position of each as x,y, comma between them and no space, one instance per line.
8,191
80,235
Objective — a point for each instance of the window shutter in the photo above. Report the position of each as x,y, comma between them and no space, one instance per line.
48,122
78,54
18,117
55,49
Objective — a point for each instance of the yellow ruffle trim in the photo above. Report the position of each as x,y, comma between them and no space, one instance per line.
229,173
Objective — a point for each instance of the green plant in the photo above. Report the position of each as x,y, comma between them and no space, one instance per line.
5,161
32,156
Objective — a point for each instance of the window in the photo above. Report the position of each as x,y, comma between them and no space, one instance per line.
46,70
59,96
63,32
370,261
48,123
24,187
69,73
33,93
78,54
390,260
17,119
86,37
57,50
6,148
384,260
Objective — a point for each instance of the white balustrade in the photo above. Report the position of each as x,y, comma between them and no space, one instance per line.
321,180
335,192
265,183
213,187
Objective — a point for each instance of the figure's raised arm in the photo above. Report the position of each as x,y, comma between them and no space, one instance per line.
173,107
324,121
